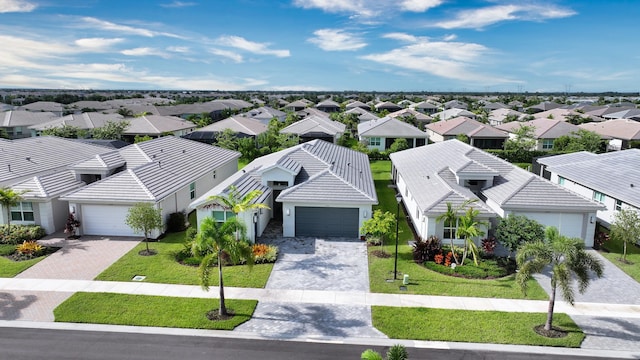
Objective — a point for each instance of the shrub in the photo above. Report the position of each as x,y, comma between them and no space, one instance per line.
487,269
176,222
425,250
489,245
264,253
438,259
20,233
29,249
374,240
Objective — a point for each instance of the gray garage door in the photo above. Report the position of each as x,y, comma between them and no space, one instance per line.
319,221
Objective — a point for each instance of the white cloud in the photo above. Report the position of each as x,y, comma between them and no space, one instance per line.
419,5
97,44
401,37
480,18
145,51
336,40
178,4
250,46
7,6
296,88
178,49
450,37
227,54
126,29
452,60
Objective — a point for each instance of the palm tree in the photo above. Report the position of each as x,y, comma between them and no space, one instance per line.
213,240
470,229
236,203
9,198
451,217
568,259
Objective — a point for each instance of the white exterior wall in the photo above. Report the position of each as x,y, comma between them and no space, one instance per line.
380,147
277,174
434,136
289,215
579,225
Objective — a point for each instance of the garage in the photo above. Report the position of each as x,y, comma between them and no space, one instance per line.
108,220
327,222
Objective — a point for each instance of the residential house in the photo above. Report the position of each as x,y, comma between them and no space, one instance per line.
633,114
455,104
429,177
426,107
612,179
453,113
44,106
362,114
157,125
621,132
328,106
480,135
388,106
298,105
543,106
413,116
357,104
168,172
316,189
545,131
381,133
265,114
17,122
490,106
316,127
83,121
240,125
499,116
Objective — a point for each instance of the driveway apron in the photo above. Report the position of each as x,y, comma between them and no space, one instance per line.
77,259
614,287
308,263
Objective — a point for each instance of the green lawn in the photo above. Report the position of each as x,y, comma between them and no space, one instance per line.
615,253
163,268
144,310
10,268
423,281
472,326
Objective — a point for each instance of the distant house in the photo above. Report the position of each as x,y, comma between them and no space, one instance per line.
582,173
452,113
362,114
17,122
156,125
241,126
316,127
426,107
412,114
543,106
44,106
83,121
381,133
480,135
388,106
490,106
357,104
328,106
432,176
316,189
264,114
298,105
545,132
455,104
499,116
621,132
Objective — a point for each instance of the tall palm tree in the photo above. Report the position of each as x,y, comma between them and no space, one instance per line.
213,240
451,217
237,203
568,260
469,229
9,198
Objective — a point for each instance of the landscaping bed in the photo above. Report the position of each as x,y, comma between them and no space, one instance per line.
13,262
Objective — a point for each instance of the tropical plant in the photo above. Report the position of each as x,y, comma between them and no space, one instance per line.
514,230
237,203
450,217
568,260
144,218
426,250
470,229
9,198
379,226
625,228
524,139
396,352
215,240
71,225
111,130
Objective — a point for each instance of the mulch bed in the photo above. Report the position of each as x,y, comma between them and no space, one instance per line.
47,250
214,315
553,333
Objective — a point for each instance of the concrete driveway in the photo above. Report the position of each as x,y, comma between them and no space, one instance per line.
81,259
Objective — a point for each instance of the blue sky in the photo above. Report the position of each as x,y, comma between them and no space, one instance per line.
365,45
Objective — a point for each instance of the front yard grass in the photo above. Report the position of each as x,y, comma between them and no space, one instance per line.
422,280
163,267
492,327
10,268
145,310
614,248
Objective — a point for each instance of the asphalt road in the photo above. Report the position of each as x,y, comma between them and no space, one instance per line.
17,344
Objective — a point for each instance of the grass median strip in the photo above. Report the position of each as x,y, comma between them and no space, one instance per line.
145,310
472,326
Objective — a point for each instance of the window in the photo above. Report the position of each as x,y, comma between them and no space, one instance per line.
598,196
192,190
280,183
560,180
618,205
222,216
374,141
449,230
547,144
22,212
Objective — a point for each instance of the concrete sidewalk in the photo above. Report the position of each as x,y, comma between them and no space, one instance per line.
321,297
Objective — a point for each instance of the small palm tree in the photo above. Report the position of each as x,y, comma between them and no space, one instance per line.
9,198
451,217
470,229
213,241
396,352
236,203
567,259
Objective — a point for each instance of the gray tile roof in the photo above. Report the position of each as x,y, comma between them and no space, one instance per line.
314,124
105,161
464,125
610,173
624,129
389,127
237,124
175,162
23,158
25,118
156,125
43,106
88,120
434,167
543,128
48,186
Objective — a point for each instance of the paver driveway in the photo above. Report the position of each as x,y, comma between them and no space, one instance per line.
81,259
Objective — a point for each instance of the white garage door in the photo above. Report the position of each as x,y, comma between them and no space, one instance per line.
105,220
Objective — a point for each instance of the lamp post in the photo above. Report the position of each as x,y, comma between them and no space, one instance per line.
395,263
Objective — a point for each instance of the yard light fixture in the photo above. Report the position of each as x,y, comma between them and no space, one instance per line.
395,263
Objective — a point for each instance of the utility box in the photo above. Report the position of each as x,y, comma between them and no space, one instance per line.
405,279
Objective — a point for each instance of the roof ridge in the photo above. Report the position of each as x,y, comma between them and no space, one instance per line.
99,157
235,118
349,183
142,185
38,183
